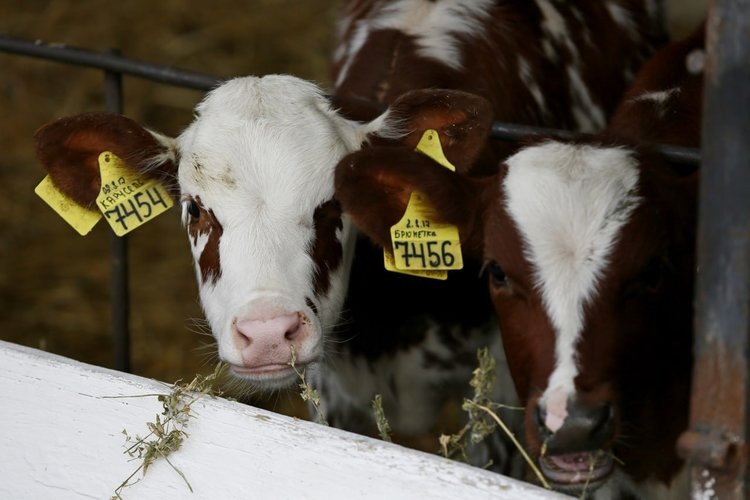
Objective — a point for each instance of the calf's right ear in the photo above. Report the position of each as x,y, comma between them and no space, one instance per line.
462,121
69,149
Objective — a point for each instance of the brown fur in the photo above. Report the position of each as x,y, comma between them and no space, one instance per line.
635,350
69,149
327,252
389,64
207,223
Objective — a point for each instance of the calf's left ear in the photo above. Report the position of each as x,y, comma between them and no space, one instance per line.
462,121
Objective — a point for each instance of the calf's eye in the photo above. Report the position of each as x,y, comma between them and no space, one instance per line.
193,210
497,275
653,275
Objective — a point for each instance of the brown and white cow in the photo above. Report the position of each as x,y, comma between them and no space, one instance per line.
255,174
589,247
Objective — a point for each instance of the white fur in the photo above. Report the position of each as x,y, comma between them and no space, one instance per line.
408,383
589,115
623,18
351,49
260,155
553,23
659,97
528,79
569,203
434,25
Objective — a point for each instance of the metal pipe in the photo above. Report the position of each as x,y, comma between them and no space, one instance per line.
199,81
514,132
716,444
120,286
109,62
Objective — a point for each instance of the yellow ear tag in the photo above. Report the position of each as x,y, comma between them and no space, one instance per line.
81,219
421,246
390,265
429,145
128,200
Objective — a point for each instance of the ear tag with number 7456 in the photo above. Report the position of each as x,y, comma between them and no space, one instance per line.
128,201
422,246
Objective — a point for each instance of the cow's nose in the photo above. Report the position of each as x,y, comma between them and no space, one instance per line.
585,428
282,329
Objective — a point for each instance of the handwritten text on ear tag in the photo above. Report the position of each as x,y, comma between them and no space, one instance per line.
81,219
390,265
420,245
128,200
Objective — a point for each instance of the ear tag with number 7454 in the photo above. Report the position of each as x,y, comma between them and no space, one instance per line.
128,201
422,246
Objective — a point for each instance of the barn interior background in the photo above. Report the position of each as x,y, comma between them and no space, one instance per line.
54,284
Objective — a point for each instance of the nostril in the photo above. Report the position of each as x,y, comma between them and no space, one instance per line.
604,422
293,329
585,428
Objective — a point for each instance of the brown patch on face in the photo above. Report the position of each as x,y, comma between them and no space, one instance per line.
326,251
69,149
205,223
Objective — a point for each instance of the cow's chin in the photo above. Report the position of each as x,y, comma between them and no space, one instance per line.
268,377
577,474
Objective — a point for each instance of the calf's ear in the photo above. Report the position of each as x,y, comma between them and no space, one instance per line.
462,121
374,186
69,149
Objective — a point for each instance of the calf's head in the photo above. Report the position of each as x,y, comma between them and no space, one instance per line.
589,255
254,175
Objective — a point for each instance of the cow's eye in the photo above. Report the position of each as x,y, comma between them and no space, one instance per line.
497,275
653,275
192,209
651,278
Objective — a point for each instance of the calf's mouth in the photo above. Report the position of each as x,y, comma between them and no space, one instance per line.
576,472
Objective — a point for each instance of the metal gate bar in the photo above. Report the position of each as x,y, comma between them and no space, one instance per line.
716,444
200,81
108,62
120,286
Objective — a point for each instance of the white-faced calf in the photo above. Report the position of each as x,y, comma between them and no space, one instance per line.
255,175
590,252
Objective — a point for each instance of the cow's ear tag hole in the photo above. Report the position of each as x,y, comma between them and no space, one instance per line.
420,246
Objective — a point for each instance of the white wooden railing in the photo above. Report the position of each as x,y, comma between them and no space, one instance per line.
61,437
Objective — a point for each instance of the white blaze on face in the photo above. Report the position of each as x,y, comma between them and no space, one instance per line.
260,156
569,203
